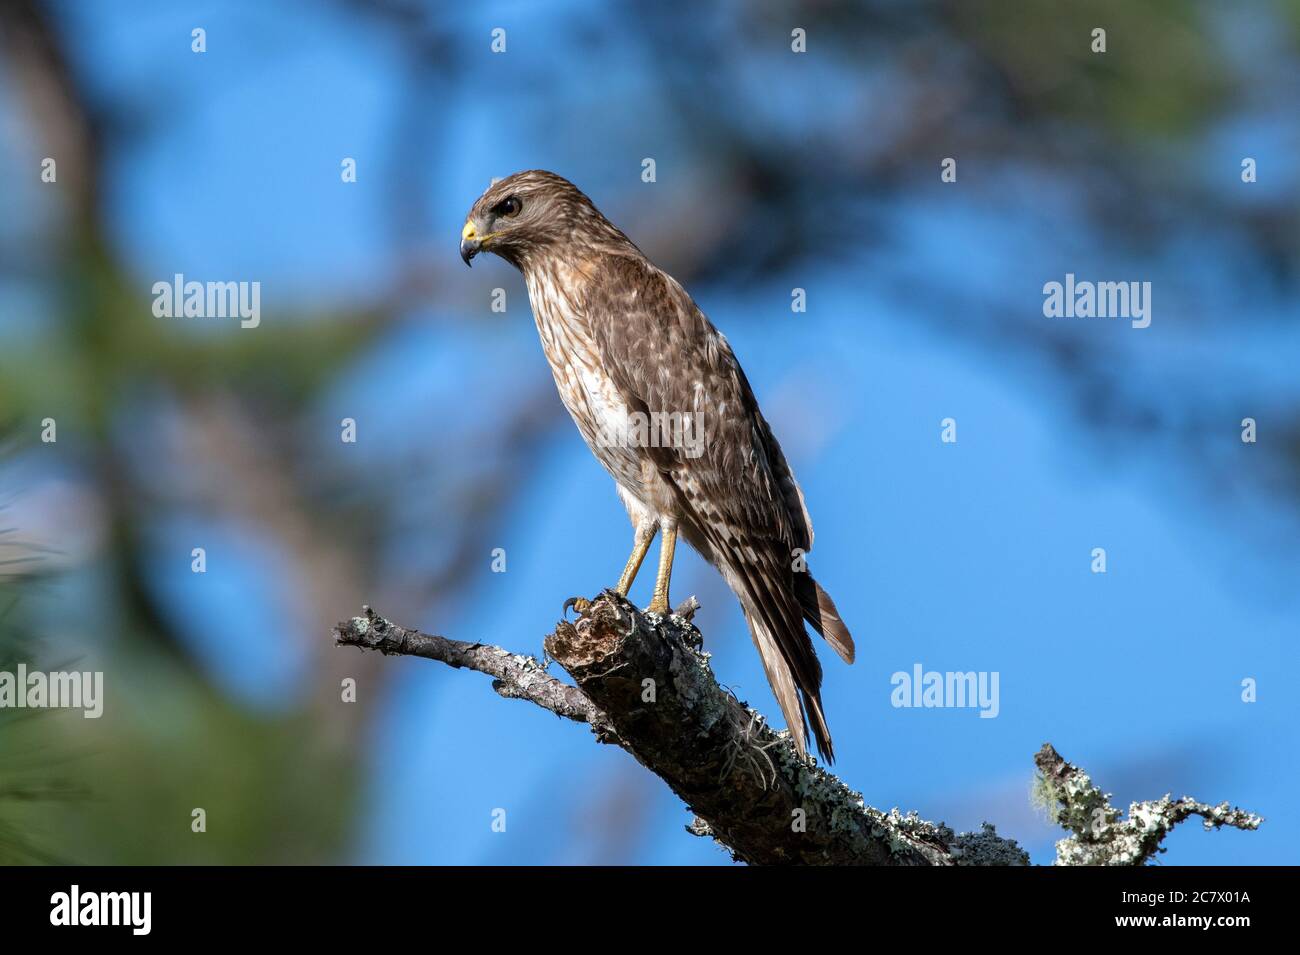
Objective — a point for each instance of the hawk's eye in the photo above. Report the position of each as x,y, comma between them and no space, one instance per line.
509,206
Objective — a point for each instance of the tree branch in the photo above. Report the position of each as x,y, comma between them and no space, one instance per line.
518,677
644,685
1101,837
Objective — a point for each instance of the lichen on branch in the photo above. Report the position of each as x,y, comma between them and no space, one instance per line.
643,683
1102,835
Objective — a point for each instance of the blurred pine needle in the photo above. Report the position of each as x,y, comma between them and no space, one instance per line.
23,781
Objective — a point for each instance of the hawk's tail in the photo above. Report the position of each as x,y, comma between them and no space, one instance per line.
798,700
819,610
776,615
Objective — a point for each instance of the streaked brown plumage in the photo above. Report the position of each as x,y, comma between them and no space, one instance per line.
623,338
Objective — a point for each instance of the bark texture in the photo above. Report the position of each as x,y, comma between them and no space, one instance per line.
642,683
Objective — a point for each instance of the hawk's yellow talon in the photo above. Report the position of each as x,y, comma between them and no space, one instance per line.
579,605
659,602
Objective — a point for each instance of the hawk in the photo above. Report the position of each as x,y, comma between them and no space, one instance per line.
665,406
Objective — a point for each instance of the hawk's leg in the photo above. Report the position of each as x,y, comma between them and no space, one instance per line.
659,602
645,534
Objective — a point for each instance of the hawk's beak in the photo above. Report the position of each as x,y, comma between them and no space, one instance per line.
469,242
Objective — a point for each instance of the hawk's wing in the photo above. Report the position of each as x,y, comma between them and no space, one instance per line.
740,503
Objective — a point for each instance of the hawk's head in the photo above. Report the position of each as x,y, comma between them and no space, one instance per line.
532,214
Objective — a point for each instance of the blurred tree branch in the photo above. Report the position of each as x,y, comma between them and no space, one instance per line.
643,684
245,405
